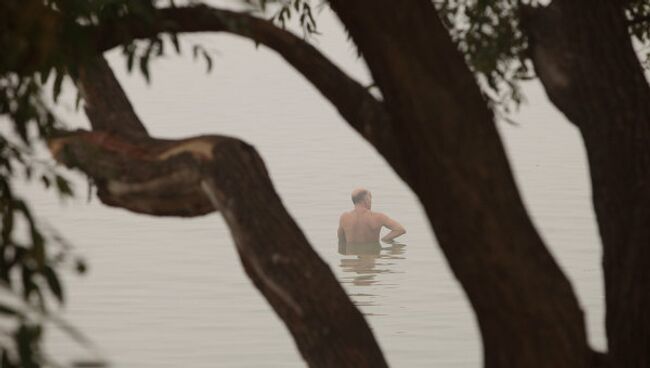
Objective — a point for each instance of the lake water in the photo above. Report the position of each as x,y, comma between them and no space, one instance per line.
172,293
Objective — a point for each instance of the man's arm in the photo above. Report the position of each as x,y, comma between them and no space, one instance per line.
341,232
396,229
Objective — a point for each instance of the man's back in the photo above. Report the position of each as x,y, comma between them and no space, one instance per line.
361,226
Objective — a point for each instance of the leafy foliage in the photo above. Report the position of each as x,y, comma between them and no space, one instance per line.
638,14
27,267
489,34
283,10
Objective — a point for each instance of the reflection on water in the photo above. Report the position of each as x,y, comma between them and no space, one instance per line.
363,265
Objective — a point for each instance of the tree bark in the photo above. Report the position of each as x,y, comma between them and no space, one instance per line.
107,111
199,175
527,311
584,57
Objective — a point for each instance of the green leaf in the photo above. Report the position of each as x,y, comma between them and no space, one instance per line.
77,101
129,60
38,247
27,282
45,75
7,223
177,45
144,67
9,311
25,338
63,186
195,51
81,266
28,172
159,47
208,60
58,83
54,283
46,181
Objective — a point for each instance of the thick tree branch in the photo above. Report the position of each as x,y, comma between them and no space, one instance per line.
106,104
142,174
191,177
353,101
199,175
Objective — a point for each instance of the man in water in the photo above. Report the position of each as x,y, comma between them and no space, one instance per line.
361,225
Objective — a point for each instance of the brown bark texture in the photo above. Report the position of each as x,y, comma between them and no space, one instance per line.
454,161
199,175
105,102
584,57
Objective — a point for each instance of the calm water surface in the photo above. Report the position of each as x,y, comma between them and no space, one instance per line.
172,293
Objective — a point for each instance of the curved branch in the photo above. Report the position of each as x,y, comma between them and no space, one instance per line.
362,111
106,104
198,175
140,174
195,176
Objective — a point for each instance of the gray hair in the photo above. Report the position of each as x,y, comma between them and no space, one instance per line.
359,196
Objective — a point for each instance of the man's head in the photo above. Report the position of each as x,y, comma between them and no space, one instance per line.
362,197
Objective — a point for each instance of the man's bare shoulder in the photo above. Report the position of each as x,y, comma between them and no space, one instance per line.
345,215
379,215
378,218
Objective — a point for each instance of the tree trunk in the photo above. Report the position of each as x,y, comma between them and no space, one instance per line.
584,57
527,311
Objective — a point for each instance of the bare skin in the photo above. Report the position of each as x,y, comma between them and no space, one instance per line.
361,225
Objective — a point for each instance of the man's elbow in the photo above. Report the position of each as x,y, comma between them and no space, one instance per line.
401,231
